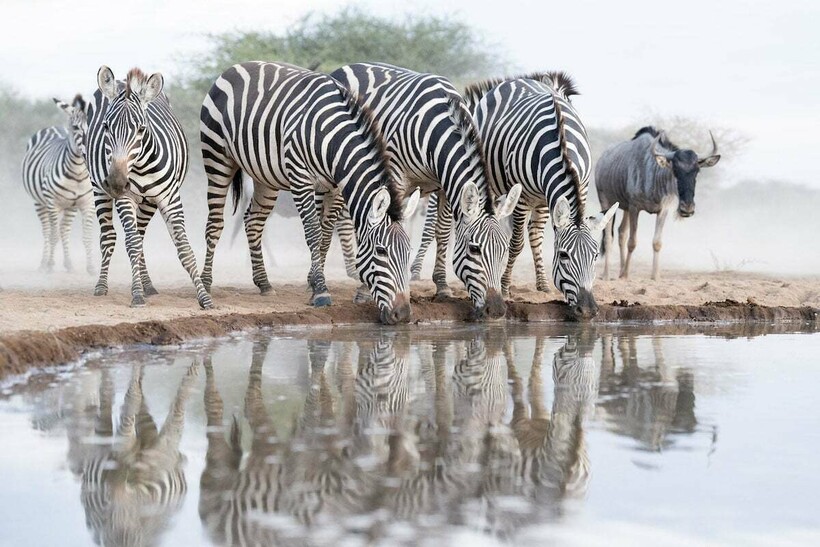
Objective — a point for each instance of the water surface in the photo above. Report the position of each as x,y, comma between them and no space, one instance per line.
487,434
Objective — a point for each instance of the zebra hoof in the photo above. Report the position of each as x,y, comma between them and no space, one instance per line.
443,294
266,289
542,287
69,268
321,301
100,290
138,302
150,290
206,303
362,296
415,276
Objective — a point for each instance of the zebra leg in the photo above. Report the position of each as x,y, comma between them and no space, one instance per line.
220,171
104,207
303,197
426,236
87,214
538,221
65,235
519,220
256,216
53,236
633,237
657,243
145,212
331,209
347,238
444,224
174,218
127,211
42,214
623,234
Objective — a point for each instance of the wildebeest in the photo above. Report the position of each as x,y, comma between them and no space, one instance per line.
648,173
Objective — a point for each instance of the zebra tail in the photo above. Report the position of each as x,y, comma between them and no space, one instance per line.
236,189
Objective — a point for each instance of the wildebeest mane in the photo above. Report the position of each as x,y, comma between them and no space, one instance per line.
654,132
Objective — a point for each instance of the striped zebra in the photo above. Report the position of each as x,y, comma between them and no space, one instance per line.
137,157
133,483
433,141
533,136
297,130
56,177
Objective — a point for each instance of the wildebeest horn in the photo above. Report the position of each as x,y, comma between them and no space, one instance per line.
714,145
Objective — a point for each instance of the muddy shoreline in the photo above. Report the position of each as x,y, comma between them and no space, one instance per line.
22,350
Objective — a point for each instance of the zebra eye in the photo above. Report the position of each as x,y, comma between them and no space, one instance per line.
474,248
563,256
381,251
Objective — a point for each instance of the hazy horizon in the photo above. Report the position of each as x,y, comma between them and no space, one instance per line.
722,64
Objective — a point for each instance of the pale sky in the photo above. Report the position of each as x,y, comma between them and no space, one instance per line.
750,65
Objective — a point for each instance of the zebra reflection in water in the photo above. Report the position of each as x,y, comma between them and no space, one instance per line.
390,443
132,480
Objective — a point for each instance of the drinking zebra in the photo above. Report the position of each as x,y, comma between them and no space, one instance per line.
132,477
297,130
56,177
433,141
533,136
137,158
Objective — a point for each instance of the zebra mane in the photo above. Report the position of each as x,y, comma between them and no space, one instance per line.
134,80
580,190
654,132
561,82
465,125
365,120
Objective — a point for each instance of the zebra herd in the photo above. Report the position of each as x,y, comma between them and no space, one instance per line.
356,149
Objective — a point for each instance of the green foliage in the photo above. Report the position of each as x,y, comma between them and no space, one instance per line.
430,44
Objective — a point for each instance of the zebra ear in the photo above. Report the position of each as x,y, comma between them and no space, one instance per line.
600,221
67,108
379,206
152,88
470,202
507,203
106,82
412,203
562,214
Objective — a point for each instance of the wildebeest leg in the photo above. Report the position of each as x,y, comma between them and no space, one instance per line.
538,220
623,233
633,236
609,230
656,243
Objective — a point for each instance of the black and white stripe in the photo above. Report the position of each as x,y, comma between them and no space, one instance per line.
533,136
297,130
137,158
432,139
56,178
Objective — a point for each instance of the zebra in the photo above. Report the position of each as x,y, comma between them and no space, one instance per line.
137,158
647,173
133,483
56,177
431,136
298,130
533,136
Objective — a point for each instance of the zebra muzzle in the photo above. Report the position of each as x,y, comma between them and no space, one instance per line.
585,307
399,312
117,180
495,307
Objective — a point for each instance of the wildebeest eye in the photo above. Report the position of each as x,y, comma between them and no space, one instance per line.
381,250
474,248
563,256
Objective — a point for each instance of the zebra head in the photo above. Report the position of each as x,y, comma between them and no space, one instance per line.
125,123
576,250
77,123
383,257
481,249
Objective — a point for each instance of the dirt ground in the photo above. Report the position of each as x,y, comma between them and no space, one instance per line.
49,309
